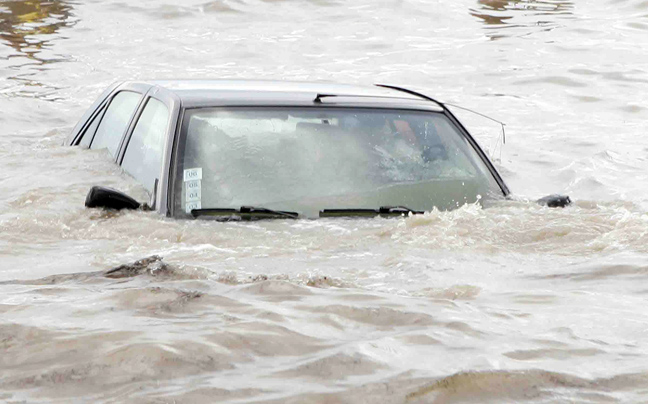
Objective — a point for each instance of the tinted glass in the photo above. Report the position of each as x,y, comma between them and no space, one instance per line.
143,158
115,121
308,159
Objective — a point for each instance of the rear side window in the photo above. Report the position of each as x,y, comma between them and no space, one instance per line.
115,121
143,157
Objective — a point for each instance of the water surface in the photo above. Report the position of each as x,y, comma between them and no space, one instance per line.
516,303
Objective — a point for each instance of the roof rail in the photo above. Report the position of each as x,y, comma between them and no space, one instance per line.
411,92
320,96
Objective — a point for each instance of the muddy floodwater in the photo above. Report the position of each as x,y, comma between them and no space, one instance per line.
514,303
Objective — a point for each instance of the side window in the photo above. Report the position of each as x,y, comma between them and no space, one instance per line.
115,121
143,157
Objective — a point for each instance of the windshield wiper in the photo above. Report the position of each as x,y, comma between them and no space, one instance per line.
385,211
243,213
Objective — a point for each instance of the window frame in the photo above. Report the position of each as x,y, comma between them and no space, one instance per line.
159,199
129,134
146,90
91,113
98,116
461,131
130,121
99,108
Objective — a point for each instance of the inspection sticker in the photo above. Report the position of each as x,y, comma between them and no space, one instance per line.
192,195
193,205
191,174
192,185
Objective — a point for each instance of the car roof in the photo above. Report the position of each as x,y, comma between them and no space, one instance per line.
220,92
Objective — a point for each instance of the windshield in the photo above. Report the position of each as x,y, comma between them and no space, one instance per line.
309,159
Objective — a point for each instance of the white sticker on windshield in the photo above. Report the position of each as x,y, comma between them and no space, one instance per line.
191,174
193,205
192,185
193,195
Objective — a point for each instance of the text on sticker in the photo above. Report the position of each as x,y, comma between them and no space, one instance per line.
193,195
191,174
193,205
194,184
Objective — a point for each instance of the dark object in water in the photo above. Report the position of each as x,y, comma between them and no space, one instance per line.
555,201
103,197
152,265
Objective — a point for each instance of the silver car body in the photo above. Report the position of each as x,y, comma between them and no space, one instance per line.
180,95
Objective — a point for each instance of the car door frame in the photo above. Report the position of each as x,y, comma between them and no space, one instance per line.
173,103
146,91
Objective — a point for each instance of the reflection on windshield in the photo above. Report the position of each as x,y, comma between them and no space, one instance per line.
507,14
309,159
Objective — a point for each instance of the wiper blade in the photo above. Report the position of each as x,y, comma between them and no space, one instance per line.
243,213
385,211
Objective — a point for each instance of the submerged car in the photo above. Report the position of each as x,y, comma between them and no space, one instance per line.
248,149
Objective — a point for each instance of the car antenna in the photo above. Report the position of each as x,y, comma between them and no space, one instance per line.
408,91
485,116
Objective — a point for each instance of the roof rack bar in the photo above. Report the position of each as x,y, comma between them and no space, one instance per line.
411,92
320,97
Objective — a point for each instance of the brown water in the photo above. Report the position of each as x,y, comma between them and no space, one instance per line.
516,303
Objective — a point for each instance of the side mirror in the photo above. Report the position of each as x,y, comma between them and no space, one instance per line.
555,201
102,197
